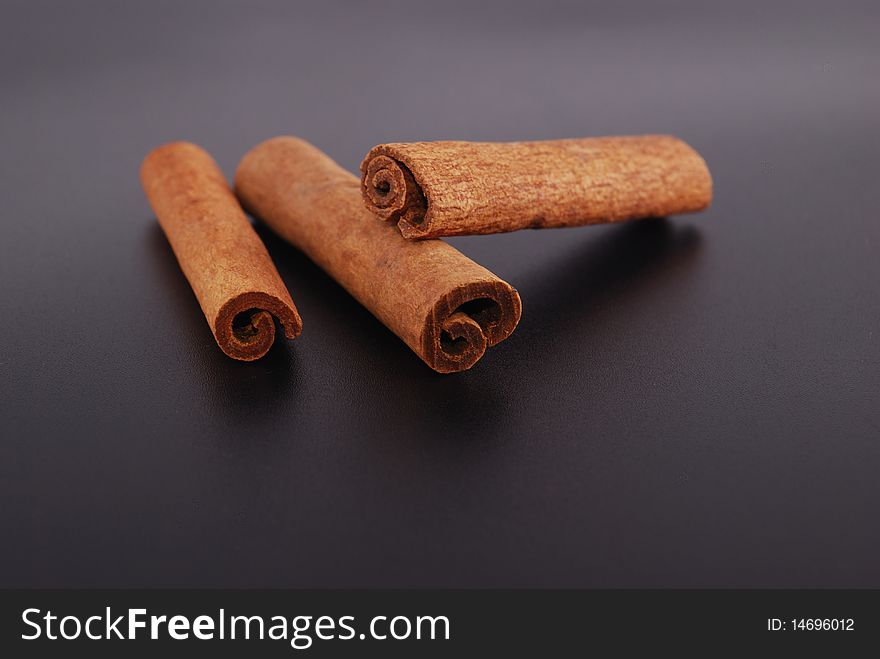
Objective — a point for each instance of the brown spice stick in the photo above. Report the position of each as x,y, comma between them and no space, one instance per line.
221,255
441,304
433,189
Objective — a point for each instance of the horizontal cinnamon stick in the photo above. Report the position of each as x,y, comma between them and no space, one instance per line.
444,306
433,189
221,255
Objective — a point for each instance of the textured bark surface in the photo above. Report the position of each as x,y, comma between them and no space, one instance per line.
433,189
441,304
221,255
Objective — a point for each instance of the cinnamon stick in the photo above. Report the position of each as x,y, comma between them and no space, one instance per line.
221,255
444,306
433,189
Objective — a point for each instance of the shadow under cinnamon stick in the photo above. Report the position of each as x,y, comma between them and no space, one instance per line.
246,389
467,411
615,266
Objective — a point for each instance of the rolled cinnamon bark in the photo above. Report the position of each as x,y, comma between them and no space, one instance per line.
433,189
221,255
444,306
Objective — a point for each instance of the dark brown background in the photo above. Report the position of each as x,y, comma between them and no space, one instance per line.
689,403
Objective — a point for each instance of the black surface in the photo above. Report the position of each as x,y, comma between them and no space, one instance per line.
685,403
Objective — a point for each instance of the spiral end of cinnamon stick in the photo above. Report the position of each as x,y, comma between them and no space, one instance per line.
391,191
467,321
245,328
